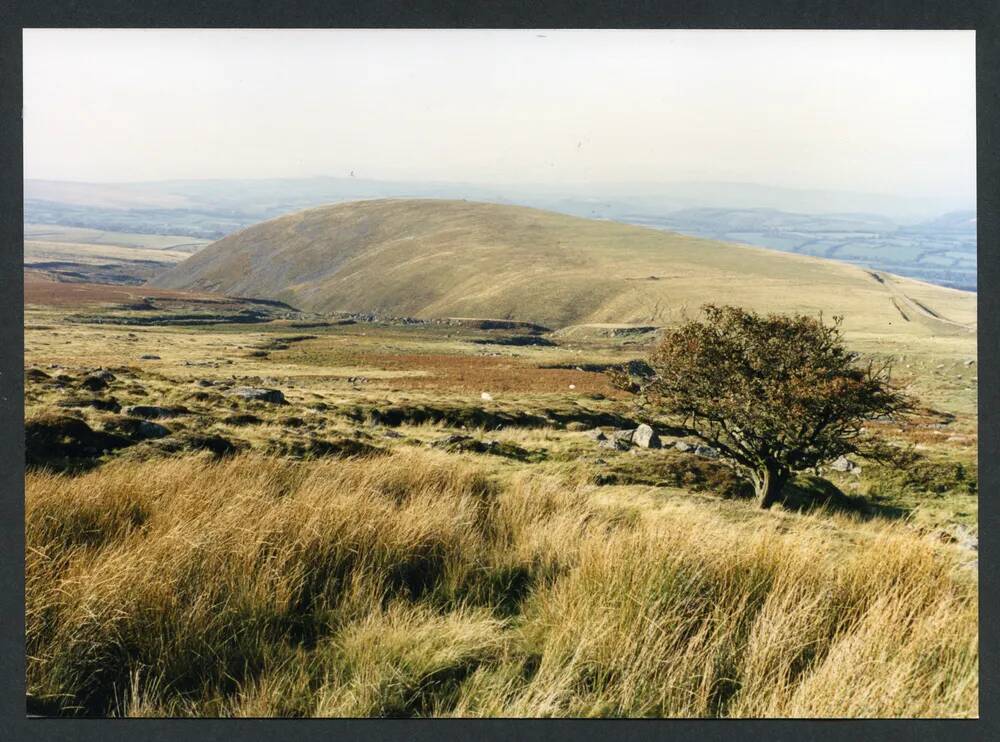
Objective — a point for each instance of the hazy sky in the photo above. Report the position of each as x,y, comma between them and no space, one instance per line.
886,112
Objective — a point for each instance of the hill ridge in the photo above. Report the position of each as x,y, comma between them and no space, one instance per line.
437,258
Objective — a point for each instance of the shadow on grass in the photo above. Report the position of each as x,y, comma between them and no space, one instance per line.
808,492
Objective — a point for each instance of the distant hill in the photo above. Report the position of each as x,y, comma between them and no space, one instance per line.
435,258
901,235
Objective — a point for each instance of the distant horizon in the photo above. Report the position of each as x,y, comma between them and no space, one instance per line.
471,181
880,112
901,207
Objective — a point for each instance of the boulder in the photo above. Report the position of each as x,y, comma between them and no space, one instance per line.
645,437
844,464
259,394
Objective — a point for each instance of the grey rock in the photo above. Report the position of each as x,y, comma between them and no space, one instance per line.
260,394
844,464
707,451
683,446
149,357
617,441
645,437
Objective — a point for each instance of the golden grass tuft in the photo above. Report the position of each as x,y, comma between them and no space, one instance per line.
420,584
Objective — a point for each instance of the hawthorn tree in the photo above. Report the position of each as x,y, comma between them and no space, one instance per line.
773,394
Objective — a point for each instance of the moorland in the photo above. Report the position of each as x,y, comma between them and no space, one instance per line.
366,460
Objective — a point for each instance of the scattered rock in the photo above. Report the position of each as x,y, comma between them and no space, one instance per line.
149,357
486,397
205,382
619,440
154,411
706,451
844,464
645,437
260,394
683,446
139,430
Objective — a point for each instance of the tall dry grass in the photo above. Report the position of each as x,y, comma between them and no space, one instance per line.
419,584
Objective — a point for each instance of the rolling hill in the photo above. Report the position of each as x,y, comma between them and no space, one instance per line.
437,258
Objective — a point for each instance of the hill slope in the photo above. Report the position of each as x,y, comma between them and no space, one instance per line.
434,258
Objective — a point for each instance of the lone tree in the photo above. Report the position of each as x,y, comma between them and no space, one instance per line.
773,394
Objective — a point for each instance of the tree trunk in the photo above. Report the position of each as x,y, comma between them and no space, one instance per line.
768,483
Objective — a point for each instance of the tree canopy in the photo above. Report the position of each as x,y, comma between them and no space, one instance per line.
773,394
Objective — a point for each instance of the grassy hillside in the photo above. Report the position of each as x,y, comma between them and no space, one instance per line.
420,584
432,258
390,541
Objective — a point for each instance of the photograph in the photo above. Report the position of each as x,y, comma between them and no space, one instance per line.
500,373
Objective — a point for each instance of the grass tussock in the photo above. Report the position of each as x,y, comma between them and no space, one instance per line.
419,584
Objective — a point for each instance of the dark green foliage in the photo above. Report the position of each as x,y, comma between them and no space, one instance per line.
774,394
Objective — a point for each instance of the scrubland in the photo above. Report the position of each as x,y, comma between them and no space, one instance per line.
419,584
391,543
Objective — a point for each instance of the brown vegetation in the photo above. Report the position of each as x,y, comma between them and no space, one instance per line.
417,584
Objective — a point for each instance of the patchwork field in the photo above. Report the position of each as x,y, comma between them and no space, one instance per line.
80,254
238,508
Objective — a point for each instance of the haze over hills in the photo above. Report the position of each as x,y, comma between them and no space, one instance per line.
912,237
436,258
